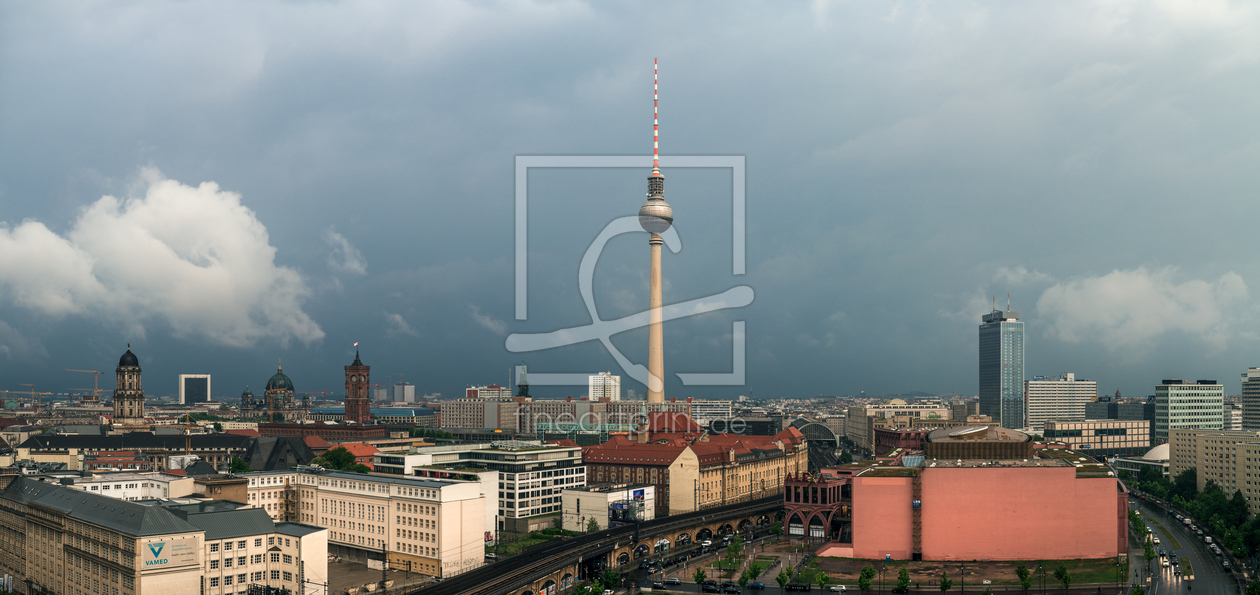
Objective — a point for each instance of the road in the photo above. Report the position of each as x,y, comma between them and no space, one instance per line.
1209,577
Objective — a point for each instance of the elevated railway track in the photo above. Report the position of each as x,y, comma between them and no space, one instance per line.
506,576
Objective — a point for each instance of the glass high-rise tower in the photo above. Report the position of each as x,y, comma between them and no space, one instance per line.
1002,368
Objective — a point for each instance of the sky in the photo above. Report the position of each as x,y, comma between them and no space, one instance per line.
231,186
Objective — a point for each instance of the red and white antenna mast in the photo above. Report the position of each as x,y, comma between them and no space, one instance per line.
656,144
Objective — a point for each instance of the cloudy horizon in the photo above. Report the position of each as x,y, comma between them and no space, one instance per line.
229,186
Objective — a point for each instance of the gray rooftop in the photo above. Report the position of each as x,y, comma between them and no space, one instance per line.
297,529
125,517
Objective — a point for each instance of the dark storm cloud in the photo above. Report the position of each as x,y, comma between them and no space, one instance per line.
906,162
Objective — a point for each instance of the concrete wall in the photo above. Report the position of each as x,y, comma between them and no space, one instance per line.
1014,514
882,519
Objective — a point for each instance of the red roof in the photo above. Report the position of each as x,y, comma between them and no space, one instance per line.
359,449
250,433
564,442
316,442
664,421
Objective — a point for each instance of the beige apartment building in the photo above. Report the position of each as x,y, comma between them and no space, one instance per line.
426,526
1230,458
532,416
276,493
1101,437
55,539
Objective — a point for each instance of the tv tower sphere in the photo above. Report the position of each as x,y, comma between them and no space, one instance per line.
655,215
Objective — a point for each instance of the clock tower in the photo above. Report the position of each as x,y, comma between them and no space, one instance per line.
357,408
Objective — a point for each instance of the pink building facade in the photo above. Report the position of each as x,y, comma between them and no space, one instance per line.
982,513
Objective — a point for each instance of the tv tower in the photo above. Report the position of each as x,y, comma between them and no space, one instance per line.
655,216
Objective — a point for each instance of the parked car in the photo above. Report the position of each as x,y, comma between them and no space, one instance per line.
900,590
730,588
756,585
1225,564
659,585
673,580
710,586
837,588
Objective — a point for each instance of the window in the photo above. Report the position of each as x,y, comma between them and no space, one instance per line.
214,565
275,557
240,579
275,575
214,547
288,576
258,543
288,559
214,581
240,545
227,562
271,541
240,561
227,580
256,559
227,546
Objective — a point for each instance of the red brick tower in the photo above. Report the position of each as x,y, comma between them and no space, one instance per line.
357,408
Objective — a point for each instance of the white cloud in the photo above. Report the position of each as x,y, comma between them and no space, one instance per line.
487,322
344,256
15,347
398,325
195,258
1131,309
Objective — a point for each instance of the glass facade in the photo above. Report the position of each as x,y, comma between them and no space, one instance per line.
1002,368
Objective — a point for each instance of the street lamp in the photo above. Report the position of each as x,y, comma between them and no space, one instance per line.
962,574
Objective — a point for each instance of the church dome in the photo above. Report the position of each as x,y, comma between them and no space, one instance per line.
279,381
128,359
247,392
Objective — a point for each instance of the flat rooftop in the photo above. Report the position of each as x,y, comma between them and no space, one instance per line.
607,487
974,463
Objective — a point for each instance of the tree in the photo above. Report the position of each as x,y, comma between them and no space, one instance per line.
945,582
1025,577
823,579
592,525
1253,588
218,427
846,458
903,578
743,579
699,576
864,579
557,522
776,528
1137,590
238,465
1124,474
611,579
988,591
783,578
1061,574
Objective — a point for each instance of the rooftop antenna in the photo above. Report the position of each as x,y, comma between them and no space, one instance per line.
1008,301
995,303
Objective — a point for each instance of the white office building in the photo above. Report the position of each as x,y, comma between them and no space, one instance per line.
1056,399
194,388
604,385
1251,399
404,392
704,412
1188,405
489,391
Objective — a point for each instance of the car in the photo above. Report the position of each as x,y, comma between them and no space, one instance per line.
1155,540
730,588
608,592
659,585
1165,562
900,590
706,543
1225,564
710,587
756,585
837,588
673,580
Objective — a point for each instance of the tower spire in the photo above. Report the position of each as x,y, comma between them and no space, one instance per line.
656,138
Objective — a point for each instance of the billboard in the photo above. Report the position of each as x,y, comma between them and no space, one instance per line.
170,553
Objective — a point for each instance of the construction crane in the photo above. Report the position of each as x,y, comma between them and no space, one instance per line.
33,396
96,383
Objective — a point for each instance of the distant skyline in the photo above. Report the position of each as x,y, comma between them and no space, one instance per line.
225,186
